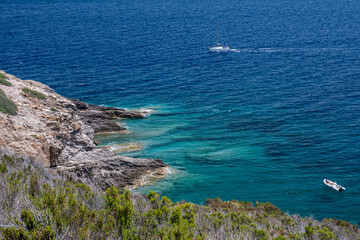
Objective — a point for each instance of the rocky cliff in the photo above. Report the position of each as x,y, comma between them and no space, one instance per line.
59,133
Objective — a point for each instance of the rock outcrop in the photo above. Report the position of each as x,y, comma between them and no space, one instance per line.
101,119
59,133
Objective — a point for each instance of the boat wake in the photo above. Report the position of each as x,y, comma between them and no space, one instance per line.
287,50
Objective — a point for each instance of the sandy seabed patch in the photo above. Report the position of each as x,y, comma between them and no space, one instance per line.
124,147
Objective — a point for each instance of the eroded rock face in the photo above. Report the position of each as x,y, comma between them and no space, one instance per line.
59,133
109,169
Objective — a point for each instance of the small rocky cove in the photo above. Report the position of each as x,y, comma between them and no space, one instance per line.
59,133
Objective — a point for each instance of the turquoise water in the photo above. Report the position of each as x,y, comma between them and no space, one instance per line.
265,123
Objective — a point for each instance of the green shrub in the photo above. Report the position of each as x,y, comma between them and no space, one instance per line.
182,222
8,159
34,189
175,216
3,167
216,219
5,82
238,219
121,207
260,233
13,233
6,105
33,229
153,197
325,234
309,231
33,93
28,218
269,208
281,237
44,233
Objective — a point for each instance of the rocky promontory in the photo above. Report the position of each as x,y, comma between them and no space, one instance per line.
59,133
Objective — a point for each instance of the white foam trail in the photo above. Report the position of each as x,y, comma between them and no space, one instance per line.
154,176
146,111
274,50
270,50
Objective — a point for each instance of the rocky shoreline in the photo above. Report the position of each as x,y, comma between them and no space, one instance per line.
59,133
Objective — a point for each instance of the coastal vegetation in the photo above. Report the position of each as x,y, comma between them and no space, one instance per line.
33,93
40,203
6,105
3,80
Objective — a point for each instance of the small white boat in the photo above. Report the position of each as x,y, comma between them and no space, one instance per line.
334,185
221,48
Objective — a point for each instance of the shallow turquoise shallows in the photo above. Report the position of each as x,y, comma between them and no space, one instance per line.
267,122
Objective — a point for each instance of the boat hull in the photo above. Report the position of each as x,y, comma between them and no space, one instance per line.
333,185
221,49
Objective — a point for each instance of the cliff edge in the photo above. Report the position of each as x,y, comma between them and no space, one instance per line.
59,133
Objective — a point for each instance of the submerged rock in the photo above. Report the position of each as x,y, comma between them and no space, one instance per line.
123,147
59,133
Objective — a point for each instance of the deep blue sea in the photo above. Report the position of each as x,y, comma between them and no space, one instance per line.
265,123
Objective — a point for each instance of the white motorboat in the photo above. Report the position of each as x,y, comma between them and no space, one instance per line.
221,48
334,185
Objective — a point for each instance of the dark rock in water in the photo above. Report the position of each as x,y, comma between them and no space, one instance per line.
102,119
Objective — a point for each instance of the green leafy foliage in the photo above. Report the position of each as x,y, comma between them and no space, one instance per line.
9,159
13,233
120,205
29,219
6,105
33,230
326,234
280,238
269,209
34,188
33,93
260,234
3,167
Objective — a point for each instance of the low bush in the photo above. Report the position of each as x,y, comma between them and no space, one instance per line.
33,93
5,82
3,167
6,105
